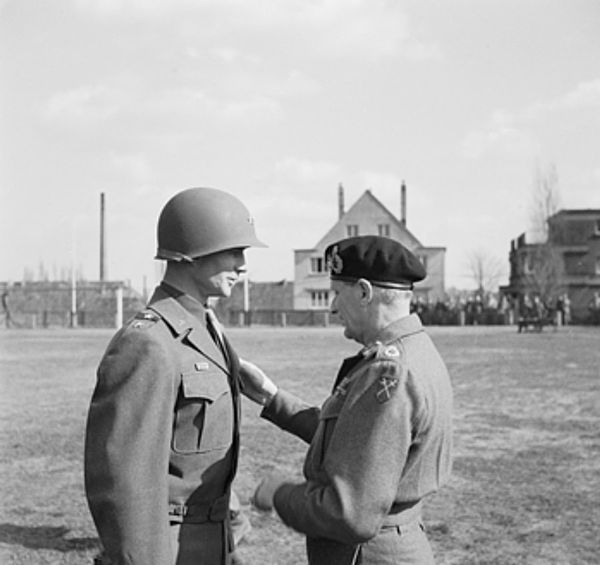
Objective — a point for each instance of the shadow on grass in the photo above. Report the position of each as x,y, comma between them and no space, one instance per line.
45,537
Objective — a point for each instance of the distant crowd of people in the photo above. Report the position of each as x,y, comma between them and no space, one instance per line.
471,310
489,309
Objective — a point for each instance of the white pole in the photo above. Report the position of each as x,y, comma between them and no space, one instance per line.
246,295
74,281
246,299
119,315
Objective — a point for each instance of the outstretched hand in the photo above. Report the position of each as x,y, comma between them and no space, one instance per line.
255,384
265,491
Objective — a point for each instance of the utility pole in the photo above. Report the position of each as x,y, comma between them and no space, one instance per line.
102,240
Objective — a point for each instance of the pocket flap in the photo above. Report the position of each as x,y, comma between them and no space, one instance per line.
206,385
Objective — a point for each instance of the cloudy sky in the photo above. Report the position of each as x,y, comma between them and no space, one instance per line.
278,101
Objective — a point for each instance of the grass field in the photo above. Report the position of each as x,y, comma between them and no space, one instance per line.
526,481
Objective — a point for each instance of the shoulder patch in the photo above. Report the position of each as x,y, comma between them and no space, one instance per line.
386,386
389,373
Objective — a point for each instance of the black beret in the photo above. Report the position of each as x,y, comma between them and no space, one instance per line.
382,261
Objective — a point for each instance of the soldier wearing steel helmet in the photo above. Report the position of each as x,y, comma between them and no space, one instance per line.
382,440
162,436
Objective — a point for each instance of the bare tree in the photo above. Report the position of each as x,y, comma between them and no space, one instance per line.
545,200
544,266
485,270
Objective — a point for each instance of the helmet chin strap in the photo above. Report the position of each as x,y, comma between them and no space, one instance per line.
173,256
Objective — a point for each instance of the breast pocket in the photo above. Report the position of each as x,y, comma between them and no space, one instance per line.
204,411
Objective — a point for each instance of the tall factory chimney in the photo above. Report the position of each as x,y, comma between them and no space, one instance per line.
102,240
403,204
340,201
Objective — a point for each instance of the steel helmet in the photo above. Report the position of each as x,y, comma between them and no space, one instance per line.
200,221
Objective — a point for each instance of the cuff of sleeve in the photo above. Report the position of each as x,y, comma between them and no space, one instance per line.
276,408
281,499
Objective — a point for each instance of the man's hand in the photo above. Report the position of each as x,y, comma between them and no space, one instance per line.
265,491
255,384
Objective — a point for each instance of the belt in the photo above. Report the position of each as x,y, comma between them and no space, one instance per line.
198,513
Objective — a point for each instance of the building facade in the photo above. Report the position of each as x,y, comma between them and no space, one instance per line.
367,216
564,268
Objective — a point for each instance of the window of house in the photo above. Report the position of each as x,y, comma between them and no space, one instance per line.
316,264
319,298
575,264
383,230
423,259
597,266
352,230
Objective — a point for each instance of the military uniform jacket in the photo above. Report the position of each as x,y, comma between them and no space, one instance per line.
162,429
378,445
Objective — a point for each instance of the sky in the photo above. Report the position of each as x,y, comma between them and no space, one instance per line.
278,102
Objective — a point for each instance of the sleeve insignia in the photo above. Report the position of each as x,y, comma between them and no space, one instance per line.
385,388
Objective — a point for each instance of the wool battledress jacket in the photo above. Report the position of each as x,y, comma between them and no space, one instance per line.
378,445
162,438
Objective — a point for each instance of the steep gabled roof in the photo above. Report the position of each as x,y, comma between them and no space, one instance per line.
364,202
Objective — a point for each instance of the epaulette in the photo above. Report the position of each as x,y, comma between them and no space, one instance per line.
145,319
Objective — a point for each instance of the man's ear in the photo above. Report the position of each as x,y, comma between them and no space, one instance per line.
366,291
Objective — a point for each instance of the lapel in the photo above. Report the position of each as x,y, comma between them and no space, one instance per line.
347,365
200,339
189,327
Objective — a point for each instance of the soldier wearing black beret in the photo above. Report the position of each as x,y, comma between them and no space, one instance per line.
382,440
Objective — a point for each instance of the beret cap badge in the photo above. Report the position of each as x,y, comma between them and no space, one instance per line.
336,263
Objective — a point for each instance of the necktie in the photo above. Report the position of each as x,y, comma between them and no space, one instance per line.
214,329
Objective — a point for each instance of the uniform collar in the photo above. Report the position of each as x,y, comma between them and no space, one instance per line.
398,329
179,310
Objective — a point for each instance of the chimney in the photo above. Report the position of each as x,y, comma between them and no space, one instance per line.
102,239
340,201
403,204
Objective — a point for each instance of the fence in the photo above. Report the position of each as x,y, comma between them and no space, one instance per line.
55,304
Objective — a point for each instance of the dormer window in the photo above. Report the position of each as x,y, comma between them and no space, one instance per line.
383,230
352,230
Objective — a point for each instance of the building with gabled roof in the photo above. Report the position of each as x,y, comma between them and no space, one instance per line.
367,216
